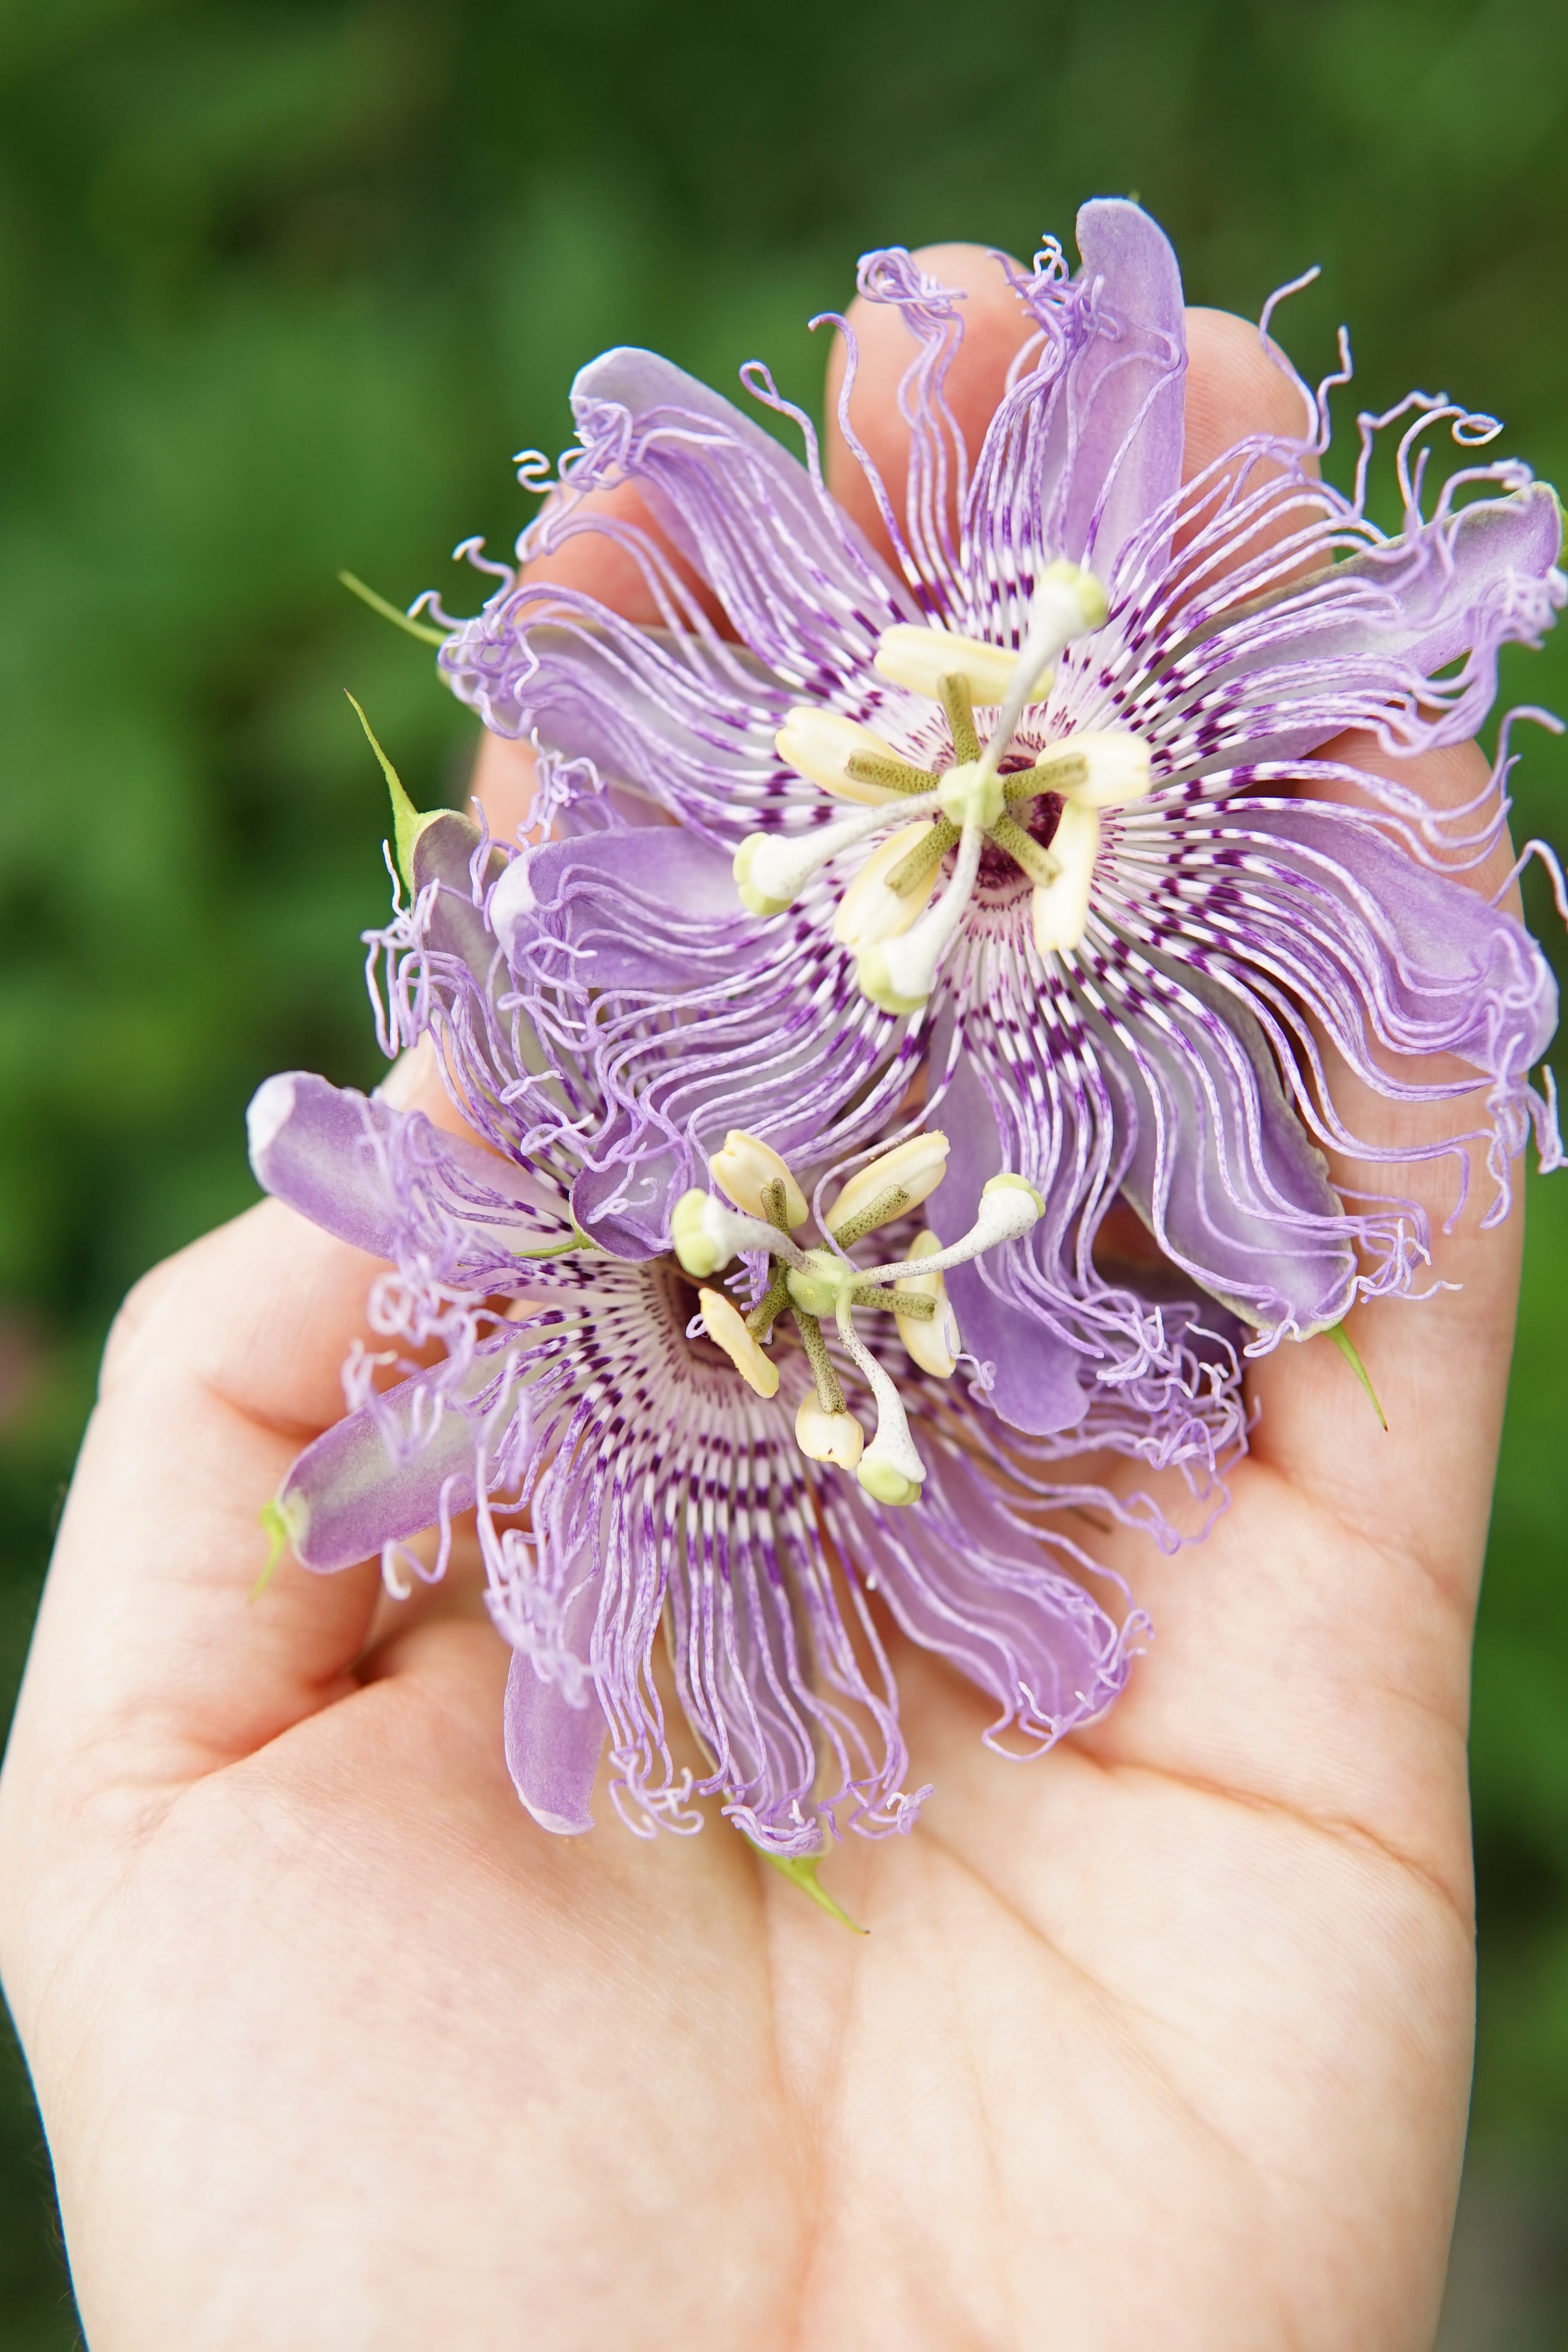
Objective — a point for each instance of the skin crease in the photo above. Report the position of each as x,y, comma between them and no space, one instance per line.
1164,2040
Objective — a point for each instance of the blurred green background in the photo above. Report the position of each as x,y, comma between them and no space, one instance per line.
283,286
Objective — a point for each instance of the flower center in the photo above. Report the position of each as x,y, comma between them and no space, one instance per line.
988,814
810,1285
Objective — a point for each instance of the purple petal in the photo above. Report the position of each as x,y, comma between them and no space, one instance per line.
967,1579
651,909
392,1183
795,574
1125,397
1220,1167
1352,650
376,1477
313,1145
552,1749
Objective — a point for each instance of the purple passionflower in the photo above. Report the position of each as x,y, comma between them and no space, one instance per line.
1100,895
641,1457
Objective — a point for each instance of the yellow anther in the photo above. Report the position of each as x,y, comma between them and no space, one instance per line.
828,1436
725,1326
921,659
1116,768
928,1340
869,912
820,744
913,1170
745,1169
1060,911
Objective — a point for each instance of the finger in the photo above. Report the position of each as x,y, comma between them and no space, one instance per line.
223,1364
996,329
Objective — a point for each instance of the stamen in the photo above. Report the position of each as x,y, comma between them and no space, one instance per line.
772,869
747,1167
1069,602
960,719
899,974
768,1310
1008,1208
829,1396
821,746
1115,768
923,660
828,1436
1060,910
913,1170
1024,850
922,863
876,1293
932,1341
722,1322
870,910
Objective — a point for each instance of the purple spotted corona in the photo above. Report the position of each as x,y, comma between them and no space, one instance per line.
651,1456
1045,828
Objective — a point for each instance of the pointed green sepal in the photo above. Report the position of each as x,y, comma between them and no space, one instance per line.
420,629
801,1871
407,823
275,1527
1346,1346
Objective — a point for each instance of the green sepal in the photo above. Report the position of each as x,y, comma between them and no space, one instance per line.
801,1871
273,1524
420,629
407,823
1346,1346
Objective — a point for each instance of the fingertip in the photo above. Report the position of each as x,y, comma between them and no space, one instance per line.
1235,388
996,329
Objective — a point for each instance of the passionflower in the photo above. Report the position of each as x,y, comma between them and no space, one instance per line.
645,1465
1048,828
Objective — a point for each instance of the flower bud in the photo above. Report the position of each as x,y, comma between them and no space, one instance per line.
745,1169
726,1327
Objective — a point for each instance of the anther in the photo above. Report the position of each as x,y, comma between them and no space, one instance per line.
724,1325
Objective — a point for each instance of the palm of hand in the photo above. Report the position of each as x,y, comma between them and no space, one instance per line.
1163,2041
1153,2041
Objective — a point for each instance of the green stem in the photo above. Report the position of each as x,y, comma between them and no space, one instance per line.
1025,850
829,1396
894,775
272,1521
961,719
877,1212
426,636
912,871
801,1869
1346,1346
913,1303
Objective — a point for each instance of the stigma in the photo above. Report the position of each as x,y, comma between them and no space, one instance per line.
926,829
813,1286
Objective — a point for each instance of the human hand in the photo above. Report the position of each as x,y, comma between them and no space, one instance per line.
1163,2040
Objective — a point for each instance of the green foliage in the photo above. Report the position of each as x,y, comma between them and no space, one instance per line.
282,286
